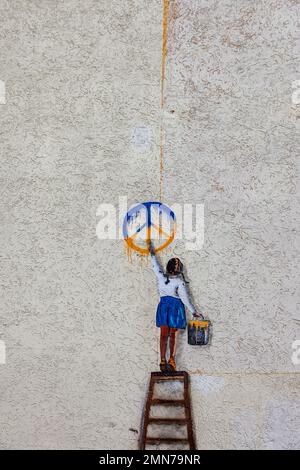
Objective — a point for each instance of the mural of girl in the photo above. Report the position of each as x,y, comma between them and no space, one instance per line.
170,314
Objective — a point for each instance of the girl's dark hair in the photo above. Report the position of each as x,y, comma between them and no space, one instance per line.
174,267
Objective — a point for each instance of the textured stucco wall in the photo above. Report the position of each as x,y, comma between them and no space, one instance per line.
77,317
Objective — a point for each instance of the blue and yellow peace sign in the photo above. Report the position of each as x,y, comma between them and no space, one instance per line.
147,221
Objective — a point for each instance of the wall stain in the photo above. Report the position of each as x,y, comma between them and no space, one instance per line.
164,49
128,251
168,14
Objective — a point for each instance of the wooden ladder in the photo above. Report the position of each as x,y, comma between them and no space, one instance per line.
151,401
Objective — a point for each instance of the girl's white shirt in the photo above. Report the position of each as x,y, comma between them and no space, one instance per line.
175,288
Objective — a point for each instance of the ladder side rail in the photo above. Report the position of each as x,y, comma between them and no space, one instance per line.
188,414
147,414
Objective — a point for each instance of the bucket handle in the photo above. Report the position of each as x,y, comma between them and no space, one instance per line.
200,316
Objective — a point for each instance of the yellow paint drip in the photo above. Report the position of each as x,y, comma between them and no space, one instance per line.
128,251
164,49
162,97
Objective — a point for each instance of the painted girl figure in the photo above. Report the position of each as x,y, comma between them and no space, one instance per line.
170,314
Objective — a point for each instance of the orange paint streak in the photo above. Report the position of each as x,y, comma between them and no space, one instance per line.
145,251
160,230
162,97
164,49
128,251
148,235
132,246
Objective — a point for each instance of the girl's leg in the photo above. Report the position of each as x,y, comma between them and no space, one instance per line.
164,333
173,341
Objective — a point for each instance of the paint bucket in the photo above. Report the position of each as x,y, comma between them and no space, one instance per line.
198,332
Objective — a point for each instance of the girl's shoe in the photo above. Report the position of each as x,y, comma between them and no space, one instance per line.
172,364
163,365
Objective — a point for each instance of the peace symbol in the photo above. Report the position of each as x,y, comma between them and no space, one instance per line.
145,220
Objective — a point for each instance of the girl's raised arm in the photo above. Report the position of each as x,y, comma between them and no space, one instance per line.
158,270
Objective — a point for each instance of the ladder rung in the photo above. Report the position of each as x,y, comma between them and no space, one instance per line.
178,373
160,376
154,440
171,400
165,378
168,420
162,401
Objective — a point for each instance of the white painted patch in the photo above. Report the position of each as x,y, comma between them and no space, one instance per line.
245,430
2,92
296,92
141,139
208,384
2,352
282,424
296,352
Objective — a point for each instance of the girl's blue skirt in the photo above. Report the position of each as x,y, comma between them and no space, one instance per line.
170,312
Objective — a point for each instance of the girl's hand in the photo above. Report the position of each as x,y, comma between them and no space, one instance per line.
150,247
